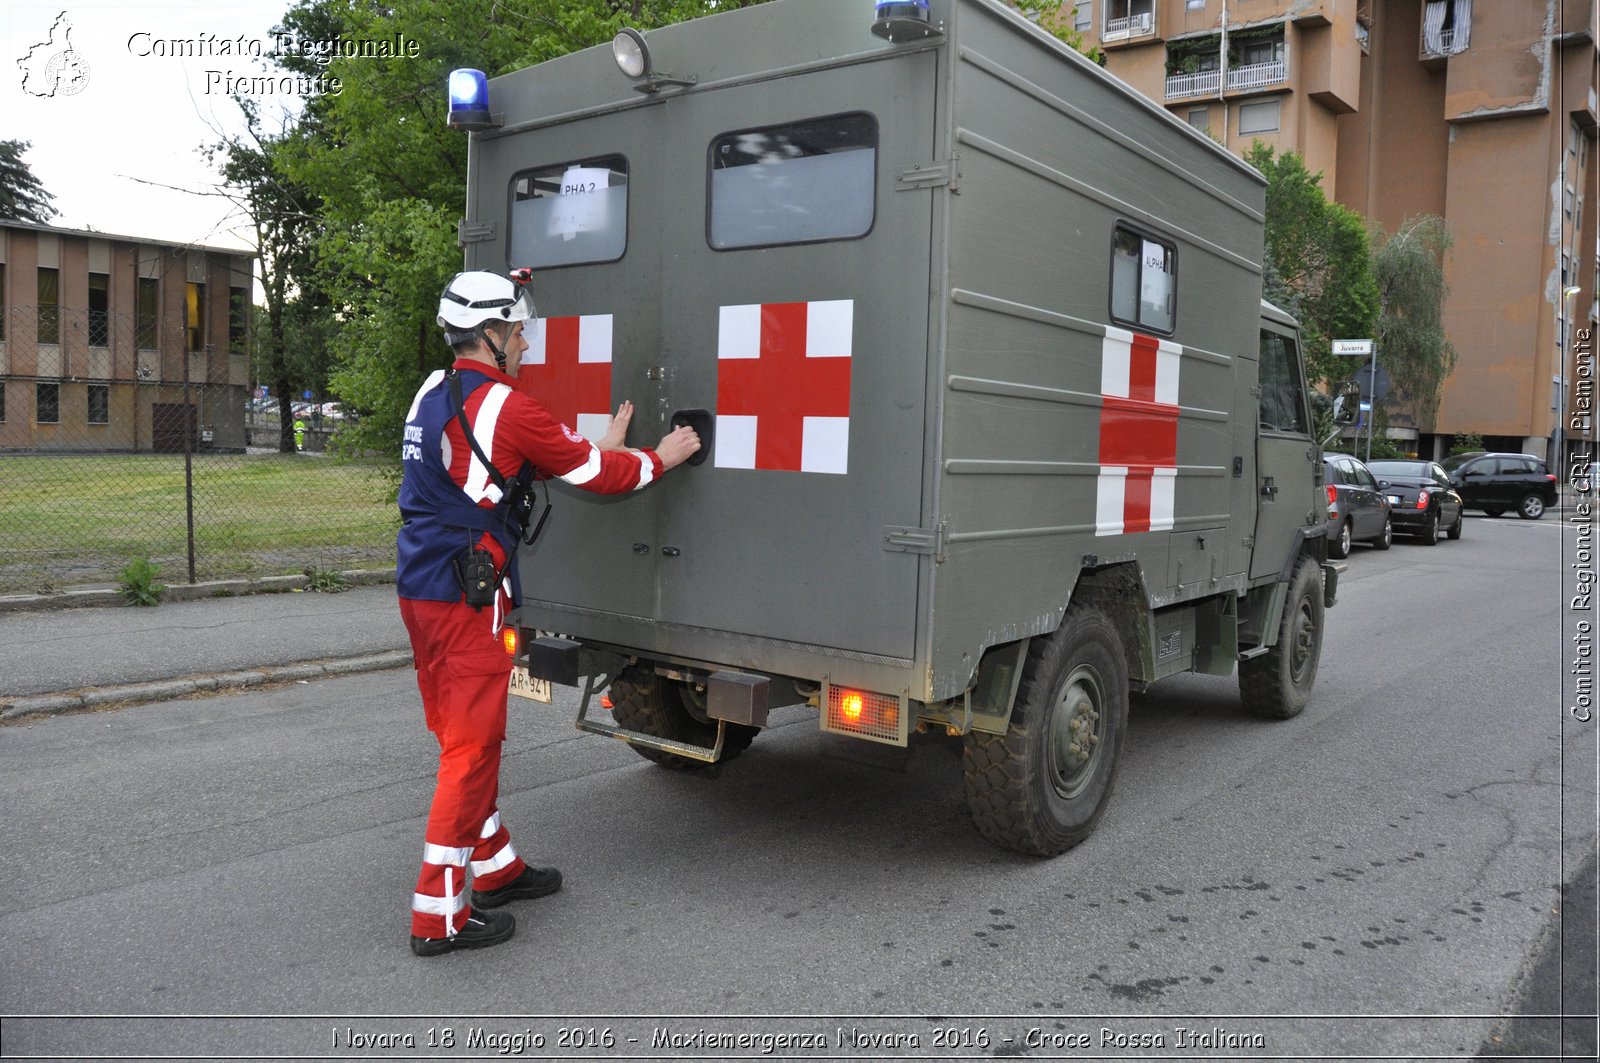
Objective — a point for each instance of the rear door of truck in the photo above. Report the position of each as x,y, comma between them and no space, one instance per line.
777,276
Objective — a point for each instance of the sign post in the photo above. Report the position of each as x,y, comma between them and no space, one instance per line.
1361,349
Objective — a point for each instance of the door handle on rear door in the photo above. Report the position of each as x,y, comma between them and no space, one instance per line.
704,425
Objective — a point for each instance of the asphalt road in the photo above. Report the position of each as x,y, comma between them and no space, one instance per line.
1376,878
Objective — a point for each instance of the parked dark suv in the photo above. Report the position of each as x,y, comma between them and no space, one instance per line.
1496,483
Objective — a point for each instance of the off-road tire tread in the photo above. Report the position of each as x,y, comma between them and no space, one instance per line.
997,772
1263,683
643,701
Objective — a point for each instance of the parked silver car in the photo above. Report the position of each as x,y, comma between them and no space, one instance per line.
1358,511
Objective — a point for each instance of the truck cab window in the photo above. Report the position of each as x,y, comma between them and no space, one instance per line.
799,183
1283,407
1144,281
570,214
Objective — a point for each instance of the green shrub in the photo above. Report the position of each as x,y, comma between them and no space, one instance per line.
138,584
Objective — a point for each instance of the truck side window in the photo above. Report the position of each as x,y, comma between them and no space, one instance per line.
570,214
1144,275
1283,407
798,183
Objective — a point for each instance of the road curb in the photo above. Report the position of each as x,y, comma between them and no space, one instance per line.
168,689
188,592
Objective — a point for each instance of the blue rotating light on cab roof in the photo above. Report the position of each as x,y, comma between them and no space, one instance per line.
469,100
902,20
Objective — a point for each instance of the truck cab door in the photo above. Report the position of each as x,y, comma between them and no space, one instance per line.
1286,456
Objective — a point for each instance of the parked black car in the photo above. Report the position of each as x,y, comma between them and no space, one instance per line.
1357,510
1421,499
1496,483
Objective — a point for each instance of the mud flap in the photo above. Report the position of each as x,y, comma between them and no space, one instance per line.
1331,570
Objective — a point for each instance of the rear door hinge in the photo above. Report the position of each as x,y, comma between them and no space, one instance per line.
927,175
474,232
902,540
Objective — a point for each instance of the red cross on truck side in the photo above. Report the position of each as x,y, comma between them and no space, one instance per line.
783,386
1138,433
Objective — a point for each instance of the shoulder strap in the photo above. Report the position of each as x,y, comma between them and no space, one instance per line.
466,429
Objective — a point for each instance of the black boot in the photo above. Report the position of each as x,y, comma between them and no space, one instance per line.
482,929
533,882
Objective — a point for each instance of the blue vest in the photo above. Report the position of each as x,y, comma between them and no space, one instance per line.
438,519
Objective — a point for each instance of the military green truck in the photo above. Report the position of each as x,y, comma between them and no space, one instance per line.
997,427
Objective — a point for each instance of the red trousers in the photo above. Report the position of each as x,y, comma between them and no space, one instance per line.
462,671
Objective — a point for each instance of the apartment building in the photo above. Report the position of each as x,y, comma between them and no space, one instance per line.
1480,111
112,343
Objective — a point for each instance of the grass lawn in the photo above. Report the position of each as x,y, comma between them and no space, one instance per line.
79,518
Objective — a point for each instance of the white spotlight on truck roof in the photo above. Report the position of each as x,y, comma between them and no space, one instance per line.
469,100
632,54
902,20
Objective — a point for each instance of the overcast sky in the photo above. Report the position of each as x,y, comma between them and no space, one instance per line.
139,115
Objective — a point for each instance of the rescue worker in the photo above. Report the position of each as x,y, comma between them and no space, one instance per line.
460,501
299,435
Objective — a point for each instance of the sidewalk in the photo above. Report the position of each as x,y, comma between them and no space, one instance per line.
66,658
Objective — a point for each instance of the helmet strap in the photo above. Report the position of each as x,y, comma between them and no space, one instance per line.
499,355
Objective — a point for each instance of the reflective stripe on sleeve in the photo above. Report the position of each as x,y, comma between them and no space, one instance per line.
585,472
490,825
647,468
501,859
445,906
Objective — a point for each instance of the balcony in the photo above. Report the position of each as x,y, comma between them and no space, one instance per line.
1249,78
1120,29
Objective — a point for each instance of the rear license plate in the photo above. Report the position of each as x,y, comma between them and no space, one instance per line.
524,685
1394,500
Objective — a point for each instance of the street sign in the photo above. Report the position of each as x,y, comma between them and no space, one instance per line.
1360,347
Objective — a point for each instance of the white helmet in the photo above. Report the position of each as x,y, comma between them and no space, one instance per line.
479,297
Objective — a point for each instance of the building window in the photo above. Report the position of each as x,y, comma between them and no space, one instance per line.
1260,117
195,304
1566,202
1200,118
1258,52
47,403
145,313
49,308
1144,276
798,183
238,318
99,310
571,213
99,404
1083,16
1196,5
1446,26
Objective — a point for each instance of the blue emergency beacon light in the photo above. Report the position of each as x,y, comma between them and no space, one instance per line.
902,20
469,101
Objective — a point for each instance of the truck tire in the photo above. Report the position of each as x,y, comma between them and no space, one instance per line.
643,701
1033,789
1278,683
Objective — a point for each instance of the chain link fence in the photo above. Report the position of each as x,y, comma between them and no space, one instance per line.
112,450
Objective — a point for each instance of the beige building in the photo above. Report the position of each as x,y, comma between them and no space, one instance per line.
111,343
1480,111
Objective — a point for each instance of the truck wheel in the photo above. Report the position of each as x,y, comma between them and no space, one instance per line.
1040,787
1531,507
643,701
1339,545
1277,684
1384,541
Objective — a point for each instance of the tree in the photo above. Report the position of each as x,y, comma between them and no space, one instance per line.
283,215
1318,263
391,175
22,197
1409,268
1056,17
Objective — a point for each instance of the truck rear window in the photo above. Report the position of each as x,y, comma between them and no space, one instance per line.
570,214
798,183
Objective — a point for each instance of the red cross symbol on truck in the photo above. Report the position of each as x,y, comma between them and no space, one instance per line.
567,369
783,386
1138,433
